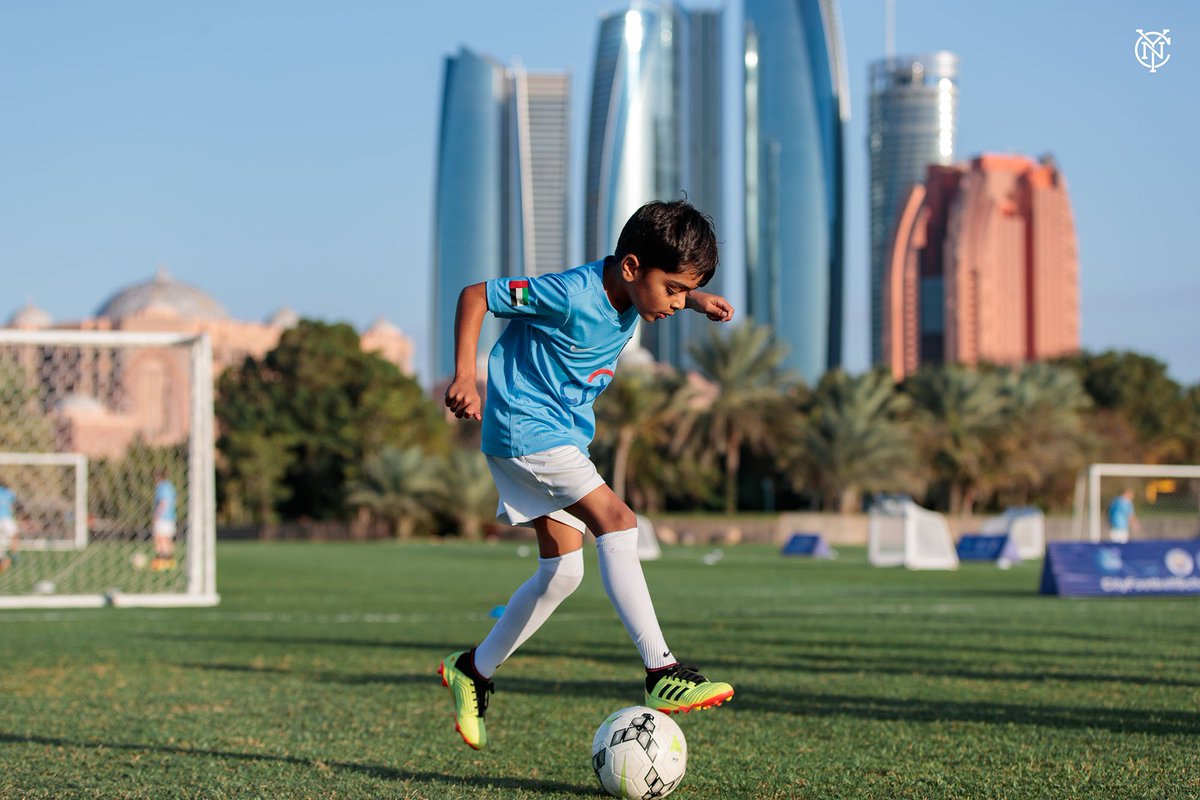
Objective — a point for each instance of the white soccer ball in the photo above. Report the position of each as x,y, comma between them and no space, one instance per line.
139,560
44,587
639,753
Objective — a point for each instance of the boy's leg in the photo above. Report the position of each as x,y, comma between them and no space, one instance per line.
670,686
559,572
467,674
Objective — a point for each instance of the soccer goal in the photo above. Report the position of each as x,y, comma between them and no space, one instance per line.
106,438
1166,500
901,533
1025,526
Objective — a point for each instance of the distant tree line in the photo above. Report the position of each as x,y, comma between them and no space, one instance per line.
319,429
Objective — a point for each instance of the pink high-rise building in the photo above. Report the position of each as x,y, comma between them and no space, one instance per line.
983,267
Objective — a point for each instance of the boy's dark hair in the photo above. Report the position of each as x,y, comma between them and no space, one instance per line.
670,235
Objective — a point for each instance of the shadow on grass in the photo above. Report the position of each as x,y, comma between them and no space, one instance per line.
609,690
1118,720
371,770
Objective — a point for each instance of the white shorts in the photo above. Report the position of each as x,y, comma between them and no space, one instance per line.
1119,535
543,484
8,530
164,527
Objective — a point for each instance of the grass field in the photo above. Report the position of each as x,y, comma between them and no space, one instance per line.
315,678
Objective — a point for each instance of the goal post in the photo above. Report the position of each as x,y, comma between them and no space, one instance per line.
60,479
1166,500
106,439
901,533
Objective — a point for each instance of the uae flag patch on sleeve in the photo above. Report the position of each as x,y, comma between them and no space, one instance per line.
519,290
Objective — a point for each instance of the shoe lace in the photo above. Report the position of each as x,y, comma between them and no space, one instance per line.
482,690
687,672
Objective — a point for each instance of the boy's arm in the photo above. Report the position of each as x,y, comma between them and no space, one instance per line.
462,396
713,306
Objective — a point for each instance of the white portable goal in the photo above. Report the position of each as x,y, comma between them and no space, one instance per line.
1025,527
91,422
1166,500
648,548
901,533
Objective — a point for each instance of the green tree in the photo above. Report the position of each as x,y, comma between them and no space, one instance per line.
960,413
854,440
464,491
397,486
253,465
1139,388
642,420
745,364
24,427
1044,442
332,404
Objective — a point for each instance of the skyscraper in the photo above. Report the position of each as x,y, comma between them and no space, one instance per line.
913,123
501,194
654,132
983,267
796,107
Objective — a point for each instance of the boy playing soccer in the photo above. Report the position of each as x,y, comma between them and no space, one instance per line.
545,371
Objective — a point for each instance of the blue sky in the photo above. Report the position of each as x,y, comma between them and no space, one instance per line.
281,152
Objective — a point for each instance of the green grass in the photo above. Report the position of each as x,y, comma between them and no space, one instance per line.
315,678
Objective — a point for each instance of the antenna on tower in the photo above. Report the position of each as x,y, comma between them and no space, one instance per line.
889,29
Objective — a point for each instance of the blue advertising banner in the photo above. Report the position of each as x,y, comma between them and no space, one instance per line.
987,547
807,544
1076,569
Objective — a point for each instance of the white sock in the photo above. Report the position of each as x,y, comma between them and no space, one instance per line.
530,606
621,573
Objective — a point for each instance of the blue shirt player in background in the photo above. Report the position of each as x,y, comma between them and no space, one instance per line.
1121,517
556,355
164,523
8,528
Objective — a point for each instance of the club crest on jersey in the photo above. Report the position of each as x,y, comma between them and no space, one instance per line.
573,393
519,292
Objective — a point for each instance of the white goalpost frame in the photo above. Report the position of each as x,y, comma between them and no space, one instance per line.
201,526
909,548
79,462
1097,471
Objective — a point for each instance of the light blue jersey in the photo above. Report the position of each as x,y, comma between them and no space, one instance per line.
554,358
164,493
7,498
1119,512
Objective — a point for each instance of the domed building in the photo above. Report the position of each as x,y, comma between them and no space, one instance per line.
101,406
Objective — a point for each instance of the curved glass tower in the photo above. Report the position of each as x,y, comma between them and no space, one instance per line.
501,197
914,111
796,106
654,132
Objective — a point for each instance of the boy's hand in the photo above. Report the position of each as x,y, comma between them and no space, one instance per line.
713,306
462,397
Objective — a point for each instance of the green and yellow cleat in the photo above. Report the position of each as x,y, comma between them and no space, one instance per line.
470,698
680,688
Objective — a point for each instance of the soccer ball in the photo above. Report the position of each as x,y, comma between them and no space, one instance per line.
139,560
639,753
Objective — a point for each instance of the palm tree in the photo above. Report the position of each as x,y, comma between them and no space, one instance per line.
638,419
854,440
745,365
1044,440
960,414
396,486
465,491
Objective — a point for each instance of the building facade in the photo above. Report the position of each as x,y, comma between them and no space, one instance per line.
501,185
103,399
796,110
654,133
913,123
983,267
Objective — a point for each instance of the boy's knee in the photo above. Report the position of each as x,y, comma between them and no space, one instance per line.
561,576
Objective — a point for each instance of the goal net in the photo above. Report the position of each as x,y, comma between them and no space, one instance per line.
106,439
1165,500
901,533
